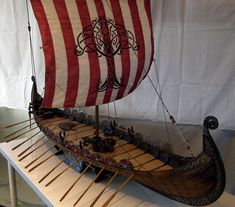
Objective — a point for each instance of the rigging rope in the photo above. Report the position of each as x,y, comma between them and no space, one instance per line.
108,112
187,146
186,143
160,97
115,110
30,41
160,93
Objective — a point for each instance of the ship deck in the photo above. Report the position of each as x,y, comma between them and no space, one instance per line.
140,160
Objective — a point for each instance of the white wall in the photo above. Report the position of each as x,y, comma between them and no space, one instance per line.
194,56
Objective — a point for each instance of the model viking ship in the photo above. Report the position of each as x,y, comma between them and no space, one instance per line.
96,52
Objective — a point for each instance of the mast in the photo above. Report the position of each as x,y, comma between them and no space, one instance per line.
97,120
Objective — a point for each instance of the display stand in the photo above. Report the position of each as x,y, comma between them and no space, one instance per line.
132,196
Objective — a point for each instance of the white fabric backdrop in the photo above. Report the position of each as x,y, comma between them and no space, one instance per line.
195,58
15,57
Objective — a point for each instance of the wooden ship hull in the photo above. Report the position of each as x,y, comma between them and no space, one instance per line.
97,52
194,181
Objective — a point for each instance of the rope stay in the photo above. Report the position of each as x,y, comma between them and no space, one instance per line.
30,40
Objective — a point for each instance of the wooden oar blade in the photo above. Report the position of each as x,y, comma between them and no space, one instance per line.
45,176
12,125
14,148
118,190
13,138
33,161
29,153
66,193
93,181
58,175
25,150
103,190
19,130
43,161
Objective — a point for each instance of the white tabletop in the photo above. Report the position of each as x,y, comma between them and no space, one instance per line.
132,195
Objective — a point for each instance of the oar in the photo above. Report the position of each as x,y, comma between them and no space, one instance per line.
29,153
53,168
21,134
66,193
28,139
102,169
117,191
25,141
33,161
109,182
40,163
18,131
16,124
25,150
58,175
33,144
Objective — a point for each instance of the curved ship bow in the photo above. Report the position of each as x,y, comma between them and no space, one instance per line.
207,171
97,52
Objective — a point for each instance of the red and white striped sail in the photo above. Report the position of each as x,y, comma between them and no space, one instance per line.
96,51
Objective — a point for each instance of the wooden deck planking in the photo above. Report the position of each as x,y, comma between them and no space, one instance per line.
129,147
153,164
165,167
144,158
122,156
136,152
122,149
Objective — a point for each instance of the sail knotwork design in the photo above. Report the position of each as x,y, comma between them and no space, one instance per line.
108,39
98,51
95,51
